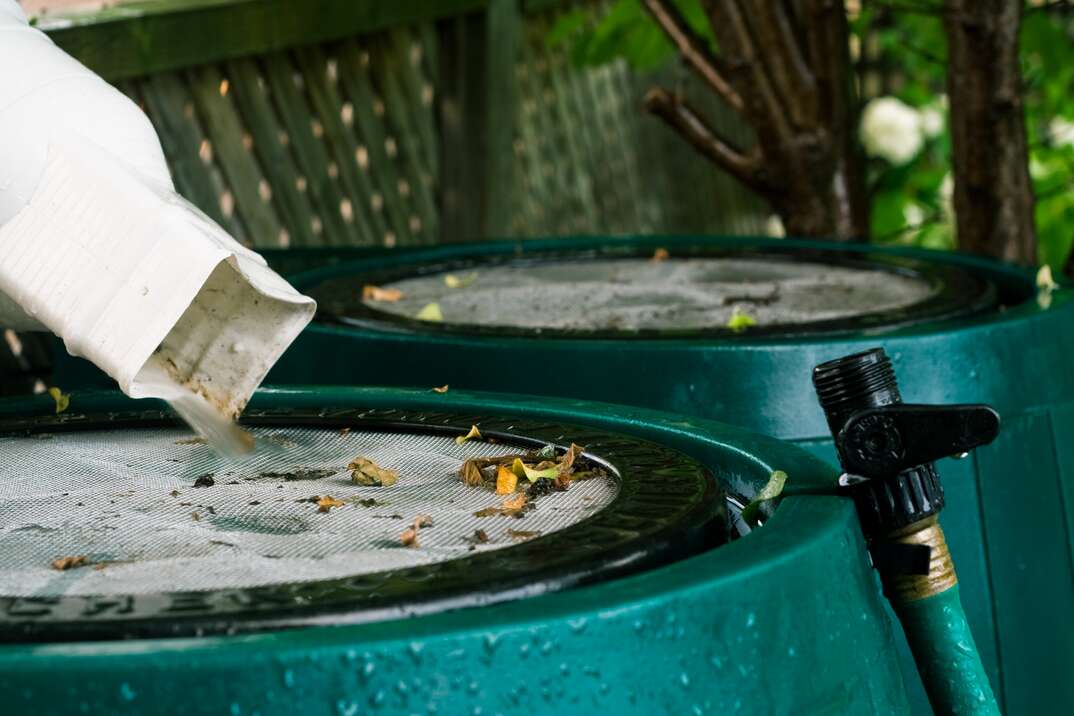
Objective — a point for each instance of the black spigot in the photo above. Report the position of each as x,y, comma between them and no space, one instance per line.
886,447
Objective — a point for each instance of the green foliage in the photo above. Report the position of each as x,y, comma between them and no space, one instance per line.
899,51
626,31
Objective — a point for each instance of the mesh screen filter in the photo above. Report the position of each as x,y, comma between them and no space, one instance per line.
108,495
639,294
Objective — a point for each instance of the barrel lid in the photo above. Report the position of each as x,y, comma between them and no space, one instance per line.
122,524
624,290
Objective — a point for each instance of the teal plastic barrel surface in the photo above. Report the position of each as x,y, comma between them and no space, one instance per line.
787,619
1009,504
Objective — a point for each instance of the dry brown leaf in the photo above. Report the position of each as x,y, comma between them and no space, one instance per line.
659,255
376,293
409,537
326,503
368,473
196,440
523,534
442,389
506,481
471,473
63,563
515,503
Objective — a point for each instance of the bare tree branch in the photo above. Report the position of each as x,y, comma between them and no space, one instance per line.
685,120
693,50
784,60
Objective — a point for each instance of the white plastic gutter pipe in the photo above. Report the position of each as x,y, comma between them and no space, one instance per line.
97,247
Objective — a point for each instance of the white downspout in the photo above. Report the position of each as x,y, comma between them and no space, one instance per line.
97,247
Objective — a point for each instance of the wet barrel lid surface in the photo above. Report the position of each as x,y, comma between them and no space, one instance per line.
127,525
687,292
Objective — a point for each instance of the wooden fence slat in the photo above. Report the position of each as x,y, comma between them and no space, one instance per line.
310,153
369,219
251,96
171,109
354,79
240,167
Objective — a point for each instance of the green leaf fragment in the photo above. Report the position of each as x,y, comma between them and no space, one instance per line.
453,281
62,399
740,320
533,475
772,489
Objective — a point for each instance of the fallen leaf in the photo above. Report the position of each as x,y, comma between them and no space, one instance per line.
740,320
453,281
205,480
772,489
515,503
472,435
1045,285
660,255
431,312
533,474
376,293
327,502
195,516
62,399
506,481
63,563
442,389
368,473
197,440
409,537
480,536
523,534
471,473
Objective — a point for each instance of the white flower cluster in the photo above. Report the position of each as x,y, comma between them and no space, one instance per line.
895,131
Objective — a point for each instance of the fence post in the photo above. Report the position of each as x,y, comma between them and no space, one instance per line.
477,120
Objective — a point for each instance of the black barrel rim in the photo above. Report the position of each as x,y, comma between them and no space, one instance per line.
958,293
640,528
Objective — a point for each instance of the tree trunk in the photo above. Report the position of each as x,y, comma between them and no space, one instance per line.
785,68
993,195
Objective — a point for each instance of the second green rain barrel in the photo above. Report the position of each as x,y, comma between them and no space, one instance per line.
140,573
729,329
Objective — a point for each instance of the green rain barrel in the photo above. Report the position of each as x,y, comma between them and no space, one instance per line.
730,329
193,584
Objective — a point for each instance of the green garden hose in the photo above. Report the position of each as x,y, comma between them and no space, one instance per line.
888,450
930,611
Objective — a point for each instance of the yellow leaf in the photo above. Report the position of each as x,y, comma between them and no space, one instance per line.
1045,281
376,293
660,255
473,434
506,481
1045,285
62,399
740,320
442,389
431,312
453,281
